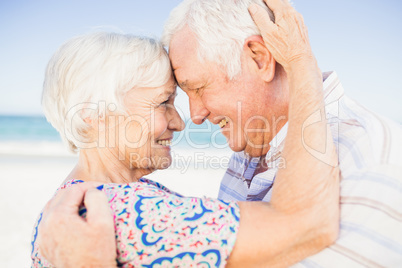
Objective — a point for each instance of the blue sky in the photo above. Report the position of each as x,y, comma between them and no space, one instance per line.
361,40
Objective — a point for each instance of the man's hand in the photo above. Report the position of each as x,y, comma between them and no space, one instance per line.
287,37
68,240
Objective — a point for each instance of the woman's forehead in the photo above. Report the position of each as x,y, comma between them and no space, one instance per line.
155,92
169,88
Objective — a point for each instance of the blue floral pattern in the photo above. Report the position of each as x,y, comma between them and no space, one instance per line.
156,227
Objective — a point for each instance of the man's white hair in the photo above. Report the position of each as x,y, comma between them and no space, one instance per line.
94,68
220,26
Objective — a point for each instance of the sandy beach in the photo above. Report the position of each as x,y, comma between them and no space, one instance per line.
30,173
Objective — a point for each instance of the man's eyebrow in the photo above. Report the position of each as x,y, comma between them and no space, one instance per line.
186,85
182,85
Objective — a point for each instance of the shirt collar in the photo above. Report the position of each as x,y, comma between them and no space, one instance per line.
333,91
278,139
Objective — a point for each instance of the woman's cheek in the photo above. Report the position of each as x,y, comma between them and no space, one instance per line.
159,125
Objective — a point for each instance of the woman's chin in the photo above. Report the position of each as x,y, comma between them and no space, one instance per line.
162,161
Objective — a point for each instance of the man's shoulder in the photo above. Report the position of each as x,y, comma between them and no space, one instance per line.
357,130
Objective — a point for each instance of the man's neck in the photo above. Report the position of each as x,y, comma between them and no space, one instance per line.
262,166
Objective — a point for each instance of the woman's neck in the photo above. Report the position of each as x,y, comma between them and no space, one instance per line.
103,166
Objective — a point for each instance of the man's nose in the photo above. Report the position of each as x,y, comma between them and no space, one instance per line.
198,111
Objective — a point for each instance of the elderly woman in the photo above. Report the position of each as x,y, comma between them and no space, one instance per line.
112,96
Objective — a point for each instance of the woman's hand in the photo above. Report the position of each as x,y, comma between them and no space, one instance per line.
67,240
287,37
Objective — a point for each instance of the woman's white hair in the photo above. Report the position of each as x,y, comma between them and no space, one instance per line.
220,26
98,68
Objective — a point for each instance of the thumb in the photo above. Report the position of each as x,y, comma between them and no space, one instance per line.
98,209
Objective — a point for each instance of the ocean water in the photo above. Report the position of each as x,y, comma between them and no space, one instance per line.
26,128
22,132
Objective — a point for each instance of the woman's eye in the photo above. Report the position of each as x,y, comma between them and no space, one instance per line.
164,103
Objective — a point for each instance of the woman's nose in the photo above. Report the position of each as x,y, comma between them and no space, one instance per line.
176,123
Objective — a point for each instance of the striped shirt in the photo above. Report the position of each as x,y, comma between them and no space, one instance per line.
370,159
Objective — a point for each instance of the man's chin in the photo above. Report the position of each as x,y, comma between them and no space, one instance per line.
236,147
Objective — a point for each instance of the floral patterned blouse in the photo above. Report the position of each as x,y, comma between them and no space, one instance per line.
156,227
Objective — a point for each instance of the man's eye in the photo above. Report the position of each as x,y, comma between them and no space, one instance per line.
198,91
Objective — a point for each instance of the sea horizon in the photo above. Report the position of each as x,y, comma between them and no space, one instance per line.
33,135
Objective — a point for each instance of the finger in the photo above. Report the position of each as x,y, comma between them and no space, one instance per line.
74,195
67,200
262,19
43,238
49,206
286,3
277,6
98,210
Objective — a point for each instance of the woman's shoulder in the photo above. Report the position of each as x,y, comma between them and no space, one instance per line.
159,185
142,184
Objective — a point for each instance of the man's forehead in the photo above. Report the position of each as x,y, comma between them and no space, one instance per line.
182,47
189,71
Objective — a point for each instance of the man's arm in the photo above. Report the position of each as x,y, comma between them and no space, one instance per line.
303,215
68,240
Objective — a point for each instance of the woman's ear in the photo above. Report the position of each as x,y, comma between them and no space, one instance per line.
259,57
97,124
102,121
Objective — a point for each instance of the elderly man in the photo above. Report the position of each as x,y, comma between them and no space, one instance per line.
220,61
232,79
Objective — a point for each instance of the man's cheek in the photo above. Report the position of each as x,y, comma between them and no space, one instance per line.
255,129
235,137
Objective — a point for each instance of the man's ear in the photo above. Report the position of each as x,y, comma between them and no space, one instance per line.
259,57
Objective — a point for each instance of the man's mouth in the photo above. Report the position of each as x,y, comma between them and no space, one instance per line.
167,142
223,122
